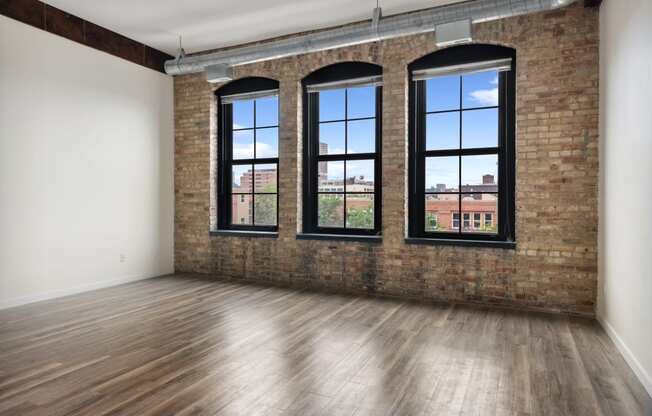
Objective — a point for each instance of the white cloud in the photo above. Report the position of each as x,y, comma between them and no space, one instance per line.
485,98
243,151
336,151
265,150
246,150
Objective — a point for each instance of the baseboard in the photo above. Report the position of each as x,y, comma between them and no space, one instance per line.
53,294
627,354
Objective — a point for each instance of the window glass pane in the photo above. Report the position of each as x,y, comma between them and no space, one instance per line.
360,211
361,136
331,105
241,176
456,221
267,111
331,176
488,220
243,144
265,178
466,221
477,220
331,138
359,175
480,89
241,210
443,93
439,210
265,209
361,102
243,114
267,142
480,128
442,174
480,173
443,131
330,210
476,204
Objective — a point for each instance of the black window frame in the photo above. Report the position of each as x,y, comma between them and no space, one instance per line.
225,154
458,55
339,72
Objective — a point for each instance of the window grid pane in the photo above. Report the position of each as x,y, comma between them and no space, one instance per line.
346,187
254,185
456,176
254,194
440,211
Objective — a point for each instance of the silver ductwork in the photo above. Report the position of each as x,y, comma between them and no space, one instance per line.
386,28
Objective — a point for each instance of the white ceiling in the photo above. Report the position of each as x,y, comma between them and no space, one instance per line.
209,24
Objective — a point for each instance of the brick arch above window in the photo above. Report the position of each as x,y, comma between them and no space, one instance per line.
246,85
341,71
461,54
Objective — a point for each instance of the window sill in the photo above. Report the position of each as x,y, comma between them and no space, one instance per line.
241,233
341,237
510,245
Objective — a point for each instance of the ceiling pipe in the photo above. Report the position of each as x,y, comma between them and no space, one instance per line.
386,28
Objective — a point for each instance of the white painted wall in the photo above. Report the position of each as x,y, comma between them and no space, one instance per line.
86,167
625,269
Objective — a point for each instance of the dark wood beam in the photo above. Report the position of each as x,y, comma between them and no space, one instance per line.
592,3
58,22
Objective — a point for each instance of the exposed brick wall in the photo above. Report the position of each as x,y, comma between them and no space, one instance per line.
555,263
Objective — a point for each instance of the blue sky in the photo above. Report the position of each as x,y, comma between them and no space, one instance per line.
266,137
479,127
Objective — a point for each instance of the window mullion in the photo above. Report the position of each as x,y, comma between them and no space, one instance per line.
346,149
459,161
254,129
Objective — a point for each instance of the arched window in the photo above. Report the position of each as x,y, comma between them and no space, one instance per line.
342,147
461,145
248,155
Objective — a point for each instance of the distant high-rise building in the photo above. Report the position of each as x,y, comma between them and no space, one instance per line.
323,167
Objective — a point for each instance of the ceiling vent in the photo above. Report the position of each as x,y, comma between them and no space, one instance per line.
453,33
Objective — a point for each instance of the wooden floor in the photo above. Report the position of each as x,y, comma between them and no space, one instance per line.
187,346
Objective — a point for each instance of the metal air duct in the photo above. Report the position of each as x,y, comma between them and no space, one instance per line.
386,28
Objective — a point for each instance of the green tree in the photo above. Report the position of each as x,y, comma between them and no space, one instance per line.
330,210
431,222
360,218
265,206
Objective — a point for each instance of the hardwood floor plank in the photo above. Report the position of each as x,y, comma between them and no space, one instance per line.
186,345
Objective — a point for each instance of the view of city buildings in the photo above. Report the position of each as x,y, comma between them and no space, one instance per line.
479,207
242,201
442,208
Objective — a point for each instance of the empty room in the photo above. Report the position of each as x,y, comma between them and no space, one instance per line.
341,208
